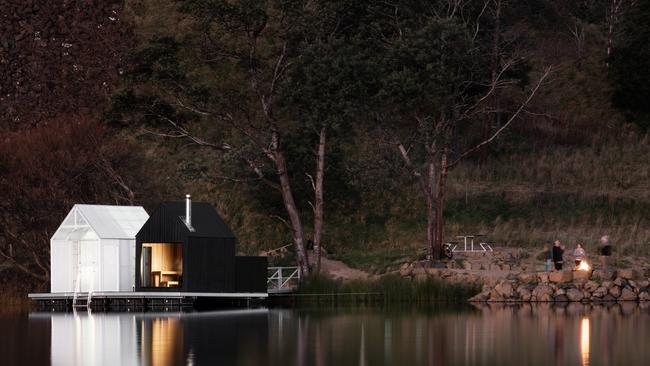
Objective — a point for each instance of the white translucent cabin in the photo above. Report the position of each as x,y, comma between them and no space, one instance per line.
94,249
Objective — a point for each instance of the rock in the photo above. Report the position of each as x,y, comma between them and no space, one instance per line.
620,282
608,298
560,276
628,295
602,275
406,270
433,271
632,284
615,291
495,296
643,283
590,286
644,296
600,292
559,292
581,275
505,267
542,293
504,289
482,297
527,277
607,284
543,277
628,274
574,294
561,298
524,293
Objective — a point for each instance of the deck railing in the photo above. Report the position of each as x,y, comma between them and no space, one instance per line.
283,278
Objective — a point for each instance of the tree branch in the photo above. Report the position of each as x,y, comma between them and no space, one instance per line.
546,73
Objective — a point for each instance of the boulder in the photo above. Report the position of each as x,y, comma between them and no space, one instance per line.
543,277
482,297
643,283
495,297
600,292
506,267
574,295
603,275
524,293
504,289
542,293
590,286
581,275
607,284
615,291
406,270
644,296
527,277
628,274
620,282
545,298
560,276
559,292
561,298
608,298
628,295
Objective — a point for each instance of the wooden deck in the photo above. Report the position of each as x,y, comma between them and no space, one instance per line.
110,300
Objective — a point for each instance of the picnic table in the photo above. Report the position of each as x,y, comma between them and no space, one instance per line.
468,239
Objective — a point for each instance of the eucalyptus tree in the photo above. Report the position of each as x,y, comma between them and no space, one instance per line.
436,82
243,79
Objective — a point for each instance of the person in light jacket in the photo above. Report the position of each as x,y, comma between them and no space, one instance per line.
579,254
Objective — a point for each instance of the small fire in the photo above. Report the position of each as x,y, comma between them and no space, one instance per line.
584,266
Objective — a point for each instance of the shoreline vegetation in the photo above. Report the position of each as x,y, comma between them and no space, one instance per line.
387,289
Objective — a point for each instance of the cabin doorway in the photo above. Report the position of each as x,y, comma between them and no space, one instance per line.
161,265
87,261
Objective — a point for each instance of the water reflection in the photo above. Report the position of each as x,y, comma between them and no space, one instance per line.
584,341
487,335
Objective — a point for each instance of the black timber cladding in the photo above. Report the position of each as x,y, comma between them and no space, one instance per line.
209,261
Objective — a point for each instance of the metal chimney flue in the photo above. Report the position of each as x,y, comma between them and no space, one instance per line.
188,211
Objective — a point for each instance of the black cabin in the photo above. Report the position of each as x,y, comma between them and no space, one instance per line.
187,247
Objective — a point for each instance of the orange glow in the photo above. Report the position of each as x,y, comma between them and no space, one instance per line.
584,266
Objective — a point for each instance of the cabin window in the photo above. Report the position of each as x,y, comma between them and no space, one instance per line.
161,265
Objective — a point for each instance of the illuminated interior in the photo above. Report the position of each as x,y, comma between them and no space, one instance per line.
161,265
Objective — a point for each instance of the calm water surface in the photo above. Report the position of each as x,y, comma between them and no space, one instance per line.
512,335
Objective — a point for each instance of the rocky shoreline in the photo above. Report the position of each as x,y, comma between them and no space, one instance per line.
568,286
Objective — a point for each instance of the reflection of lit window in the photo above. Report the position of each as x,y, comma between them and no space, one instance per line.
161,265
584,341
162,342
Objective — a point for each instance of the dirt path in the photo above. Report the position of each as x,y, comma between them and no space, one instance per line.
337,269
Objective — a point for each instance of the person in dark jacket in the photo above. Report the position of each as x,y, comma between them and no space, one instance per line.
604,251
558,255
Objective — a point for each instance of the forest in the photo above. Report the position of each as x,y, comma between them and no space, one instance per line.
370,130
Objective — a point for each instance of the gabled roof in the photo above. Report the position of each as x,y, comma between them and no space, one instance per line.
106,221
206,222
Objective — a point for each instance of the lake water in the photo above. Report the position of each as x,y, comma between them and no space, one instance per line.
502,335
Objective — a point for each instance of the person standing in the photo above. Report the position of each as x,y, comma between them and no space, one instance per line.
548,257
604,251
558,255
579,254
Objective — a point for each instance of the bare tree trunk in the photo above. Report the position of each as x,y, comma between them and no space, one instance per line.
292,212
431,217
440,202
318,200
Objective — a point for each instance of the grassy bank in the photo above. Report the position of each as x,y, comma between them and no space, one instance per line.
387,289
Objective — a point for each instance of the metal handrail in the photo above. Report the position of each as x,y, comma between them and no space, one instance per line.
279,280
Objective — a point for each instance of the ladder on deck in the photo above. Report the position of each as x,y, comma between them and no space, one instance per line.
75,295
